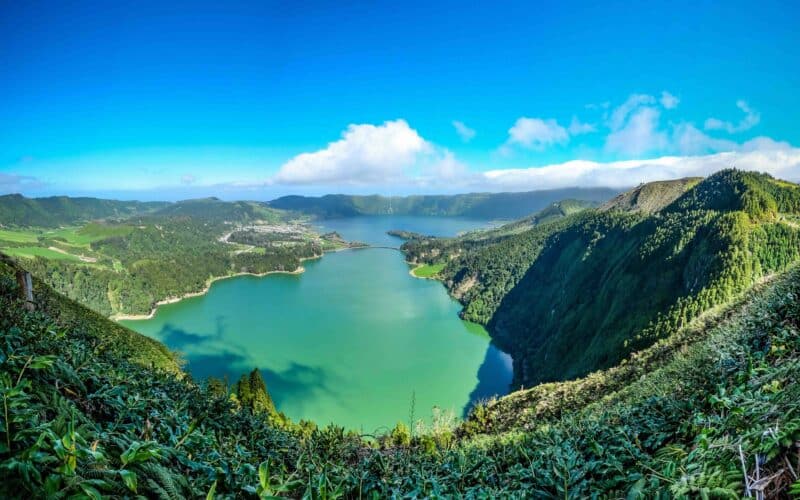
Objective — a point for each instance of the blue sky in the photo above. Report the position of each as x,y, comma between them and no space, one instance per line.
257,99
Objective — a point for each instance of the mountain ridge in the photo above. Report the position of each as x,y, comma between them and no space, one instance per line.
484,205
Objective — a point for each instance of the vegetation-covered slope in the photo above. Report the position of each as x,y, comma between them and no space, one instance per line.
126,266
216,211
650,197
703,414
579,294
19,211
481,205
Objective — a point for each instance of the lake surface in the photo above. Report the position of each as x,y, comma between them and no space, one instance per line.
351,341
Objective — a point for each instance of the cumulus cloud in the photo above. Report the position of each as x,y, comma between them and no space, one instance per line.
689,140
668,100
536,133
760,154
463,131
620,114
639,134
750,120
366,154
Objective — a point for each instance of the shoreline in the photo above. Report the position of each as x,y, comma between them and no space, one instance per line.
211,281
411,272
206,288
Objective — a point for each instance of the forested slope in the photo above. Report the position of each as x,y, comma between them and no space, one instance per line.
125,266
581,293
703,414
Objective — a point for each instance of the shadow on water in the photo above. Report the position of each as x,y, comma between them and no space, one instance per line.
494,377
298,382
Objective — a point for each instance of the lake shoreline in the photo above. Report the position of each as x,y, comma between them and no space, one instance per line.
206,288
411,272
211,281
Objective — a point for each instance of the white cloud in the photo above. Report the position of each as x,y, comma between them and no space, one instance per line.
188,179
668,100
760,154
750,120
576,127
366,154
536,133
640,134
689,140
620,114
463,131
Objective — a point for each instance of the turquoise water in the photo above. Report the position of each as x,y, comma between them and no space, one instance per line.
351,341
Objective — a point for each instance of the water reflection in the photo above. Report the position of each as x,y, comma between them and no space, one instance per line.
494,377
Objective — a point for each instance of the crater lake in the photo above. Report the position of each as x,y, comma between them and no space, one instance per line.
355,340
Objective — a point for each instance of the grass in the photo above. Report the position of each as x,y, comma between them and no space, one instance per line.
83,236
428,270
31,252
18,236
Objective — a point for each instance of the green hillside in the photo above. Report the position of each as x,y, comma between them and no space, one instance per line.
701,414
650,197
19,211
481,205
217,211
127,265
572,296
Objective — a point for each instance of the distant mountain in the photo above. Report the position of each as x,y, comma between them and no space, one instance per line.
483,205
215,210
54,211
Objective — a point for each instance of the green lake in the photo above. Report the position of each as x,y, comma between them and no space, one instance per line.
351,341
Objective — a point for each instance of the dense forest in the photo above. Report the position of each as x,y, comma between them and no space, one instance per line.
582,292
479,205
125,266
94,410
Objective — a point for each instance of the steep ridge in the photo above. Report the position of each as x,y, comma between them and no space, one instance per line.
581,293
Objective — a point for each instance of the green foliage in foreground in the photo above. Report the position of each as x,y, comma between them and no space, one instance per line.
82,419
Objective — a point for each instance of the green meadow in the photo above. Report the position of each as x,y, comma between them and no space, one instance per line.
428,270
30,252
18,236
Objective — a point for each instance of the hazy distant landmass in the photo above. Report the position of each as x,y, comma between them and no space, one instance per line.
484,205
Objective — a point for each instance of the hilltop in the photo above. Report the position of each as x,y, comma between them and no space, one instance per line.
650,197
